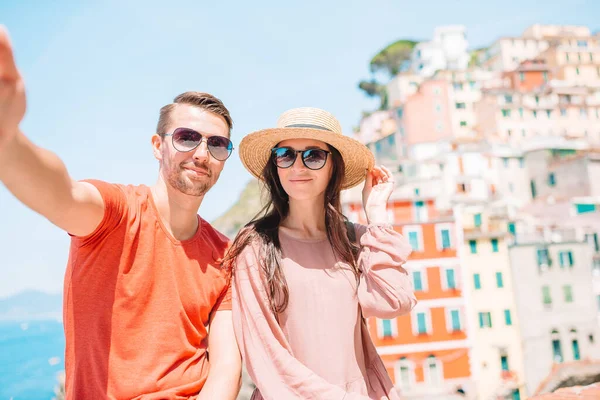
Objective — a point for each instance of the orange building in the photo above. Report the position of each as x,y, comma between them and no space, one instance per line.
427,353
530,75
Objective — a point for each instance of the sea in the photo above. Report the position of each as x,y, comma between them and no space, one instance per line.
31,358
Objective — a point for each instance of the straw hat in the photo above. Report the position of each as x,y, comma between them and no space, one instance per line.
307,123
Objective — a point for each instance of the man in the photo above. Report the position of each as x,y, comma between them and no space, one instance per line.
143,284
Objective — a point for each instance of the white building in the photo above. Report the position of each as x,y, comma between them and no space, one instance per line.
555,302
447,50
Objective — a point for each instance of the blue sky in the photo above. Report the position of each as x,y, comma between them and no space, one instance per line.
98,71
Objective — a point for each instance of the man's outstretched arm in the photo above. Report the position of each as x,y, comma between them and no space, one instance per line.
37,177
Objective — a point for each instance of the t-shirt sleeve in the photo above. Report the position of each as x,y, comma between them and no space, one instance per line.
224,301
115,207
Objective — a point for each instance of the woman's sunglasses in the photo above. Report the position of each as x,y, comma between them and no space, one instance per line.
186,139
285,157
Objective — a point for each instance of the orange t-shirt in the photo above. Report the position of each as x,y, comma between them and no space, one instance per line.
137,303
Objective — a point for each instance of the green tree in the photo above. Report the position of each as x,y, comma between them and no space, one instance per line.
390,60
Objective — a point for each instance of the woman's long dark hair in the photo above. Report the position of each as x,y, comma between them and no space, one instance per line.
264,227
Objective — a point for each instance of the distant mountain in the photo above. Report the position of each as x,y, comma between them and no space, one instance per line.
31,305
242,212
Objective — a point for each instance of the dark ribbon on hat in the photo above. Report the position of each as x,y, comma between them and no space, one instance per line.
308,126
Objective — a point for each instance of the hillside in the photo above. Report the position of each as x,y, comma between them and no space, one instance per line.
246,207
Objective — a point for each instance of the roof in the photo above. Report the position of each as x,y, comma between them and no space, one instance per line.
574,380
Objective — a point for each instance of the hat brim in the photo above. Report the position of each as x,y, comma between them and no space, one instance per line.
255,151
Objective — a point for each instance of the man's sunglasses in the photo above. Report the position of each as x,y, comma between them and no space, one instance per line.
186,139
285,157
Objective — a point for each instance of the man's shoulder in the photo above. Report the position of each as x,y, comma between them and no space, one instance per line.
213,235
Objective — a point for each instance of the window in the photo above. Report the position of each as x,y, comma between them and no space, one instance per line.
546,298
457,86
499,280
438,107
505,162
563,112
473,246
421,212
504,362
521,112
472,84
556,348
579,56
577,71
463,123
494,245
386,328
477,281
583,112
575,347
433,373
450,280
516,394
418,281
581,43
421,323
413,239
507,318
506,113
551,179
405,373
549,113
508,99
512,229
523,132
399,112
522,76
477,220
543,257
545,75
404,376
565,258
461,106
568,292
567,56
445,236
455,320
485,320
533,189
521,162
534,113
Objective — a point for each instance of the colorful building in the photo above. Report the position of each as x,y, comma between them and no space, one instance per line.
427,353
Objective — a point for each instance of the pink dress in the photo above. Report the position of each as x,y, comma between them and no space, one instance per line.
321,349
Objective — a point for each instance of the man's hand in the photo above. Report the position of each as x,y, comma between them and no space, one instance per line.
12,92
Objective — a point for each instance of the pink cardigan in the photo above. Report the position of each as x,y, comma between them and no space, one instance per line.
321,349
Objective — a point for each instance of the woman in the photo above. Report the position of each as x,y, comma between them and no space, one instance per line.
302,281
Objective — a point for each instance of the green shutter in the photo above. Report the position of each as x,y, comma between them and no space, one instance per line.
495,245
450,279
387,327
473,246
477,281
421,323
455,320
418,281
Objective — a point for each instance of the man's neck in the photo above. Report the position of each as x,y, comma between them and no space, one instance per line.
177,211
